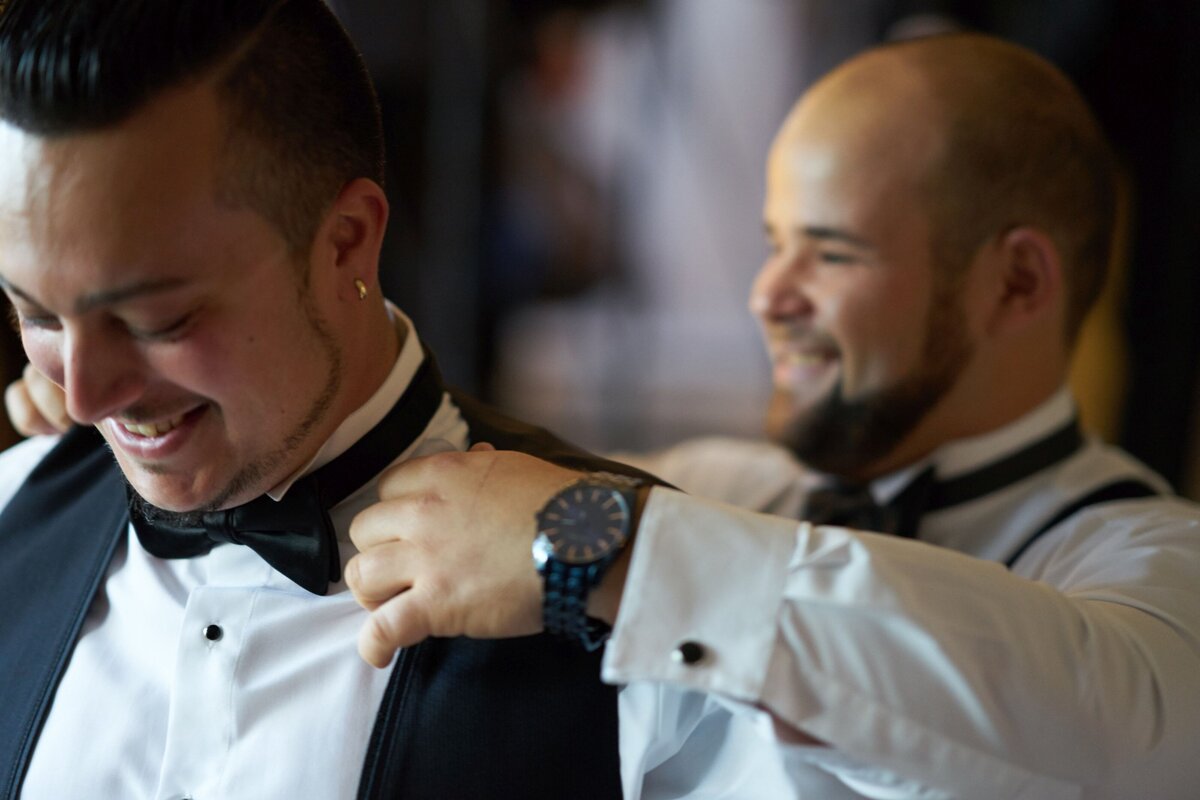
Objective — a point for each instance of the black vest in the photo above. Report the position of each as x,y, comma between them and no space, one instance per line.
513,718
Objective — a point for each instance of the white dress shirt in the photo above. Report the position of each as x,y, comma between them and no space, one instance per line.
216,677
931,672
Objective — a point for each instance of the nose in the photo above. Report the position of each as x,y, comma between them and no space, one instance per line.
101,375
778,293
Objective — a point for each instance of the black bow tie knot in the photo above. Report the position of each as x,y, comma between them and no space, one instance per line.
295,534
853,506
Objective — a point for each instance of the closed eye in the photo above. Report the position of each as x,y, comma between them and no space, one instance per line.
47,322
169,333
827,257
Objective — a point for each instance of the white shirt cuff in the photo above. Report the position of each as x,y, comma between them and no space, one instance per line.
672,597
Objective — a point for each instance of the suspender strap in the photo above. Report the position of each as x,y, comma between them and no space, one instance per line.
1058,446
1129,489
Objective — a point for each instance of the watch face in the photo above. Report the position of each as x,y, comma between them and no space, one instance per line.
583,524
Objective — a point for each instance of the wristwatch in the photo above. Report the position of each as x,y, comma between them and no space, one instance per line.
580,532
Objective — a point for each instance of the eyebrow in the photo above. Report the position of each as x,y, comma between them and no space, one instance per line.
826,233
107,297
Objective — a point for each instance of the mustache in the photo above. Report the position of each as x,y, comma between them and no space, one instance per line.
797,337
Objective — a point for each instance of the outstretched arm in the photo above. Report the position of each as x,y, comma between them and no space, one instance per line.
920,667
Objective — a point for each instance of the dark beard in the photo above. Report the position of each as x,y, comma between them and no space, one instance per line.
140,508
843,437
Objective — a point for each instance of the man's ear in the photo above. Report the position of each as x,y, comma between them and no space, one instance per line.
352,235
1029,281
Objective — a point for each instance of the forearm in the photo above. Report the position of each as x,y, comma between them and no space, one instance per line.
901,653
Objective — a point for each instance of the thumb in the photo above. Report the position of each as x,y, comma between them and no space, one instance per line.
479,447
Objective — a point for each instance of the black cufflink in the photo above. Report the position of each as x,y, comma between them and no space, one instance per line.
689,653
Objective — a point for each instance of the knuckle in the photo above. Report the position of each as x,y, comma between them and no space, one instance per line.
368,577
381,628
352,573
427,502
379,523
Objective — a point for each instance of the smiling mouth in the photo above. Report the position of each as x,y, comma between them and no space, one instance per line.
151,430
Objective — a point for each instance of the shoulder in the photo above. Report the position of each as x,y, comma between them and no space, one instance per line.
1114,534
1097,462
752,474
18,461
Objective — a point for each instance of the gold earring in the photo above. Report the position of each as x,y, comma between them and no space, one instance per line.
362,288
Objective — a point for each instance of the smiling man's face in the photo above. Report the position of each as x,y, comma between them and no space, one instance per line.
179,325
864,338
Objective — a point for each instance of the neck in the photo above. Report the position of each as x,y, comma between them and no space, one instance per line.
367,361
977,405
369,356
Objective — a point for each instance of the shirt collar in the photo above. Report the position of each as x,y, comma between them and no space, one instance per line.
371,412
965,455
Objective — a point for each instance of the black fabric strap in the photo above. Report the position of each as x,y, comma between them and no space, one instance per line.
393,434
1129,489
1041,454
854,506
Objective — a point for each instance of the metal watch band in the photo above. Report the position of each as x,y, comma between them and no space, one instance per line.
566,586
564,606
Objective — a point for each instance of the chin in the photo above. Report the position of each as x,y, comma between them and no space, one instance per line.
169,500
171,492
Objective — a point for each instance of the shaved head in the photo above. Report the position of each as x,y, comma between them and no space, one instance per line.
902,192
989,136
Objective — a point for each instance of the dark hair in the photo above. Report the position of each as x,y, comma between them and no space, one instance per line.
301,114
1022,148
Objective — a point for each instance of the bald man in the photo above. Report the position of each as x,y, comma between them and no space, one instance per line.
952,593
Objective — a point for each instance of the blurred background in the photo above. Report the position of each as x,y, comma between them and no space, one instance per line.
576,192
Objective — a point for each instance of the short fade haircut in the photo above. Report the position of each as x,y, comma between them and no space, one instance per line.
301,115
1022,148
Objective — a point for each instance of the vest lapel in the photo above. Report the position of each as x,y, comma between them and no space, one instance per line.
525,717
57,537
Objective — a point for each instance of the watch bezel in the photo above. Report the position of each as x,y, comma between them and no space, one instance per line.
551,542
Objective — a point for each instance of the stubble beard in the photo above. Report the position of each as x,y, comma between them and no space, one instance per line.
252,474
843,437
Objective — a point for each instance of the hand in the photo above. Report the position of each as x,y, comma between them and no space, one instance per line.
447,550
36,405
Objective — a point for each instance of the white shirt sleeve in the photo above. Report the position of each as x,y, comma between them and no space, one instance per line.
930,673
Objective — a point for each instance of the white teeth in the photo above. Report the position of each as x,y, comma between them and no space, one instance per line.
153,429
804,359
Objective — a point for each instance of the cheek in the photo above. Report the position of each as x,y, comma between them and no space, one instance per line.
880,334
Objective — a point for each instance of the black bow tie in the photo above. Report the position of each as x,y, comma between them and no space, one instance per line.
853,506
295,535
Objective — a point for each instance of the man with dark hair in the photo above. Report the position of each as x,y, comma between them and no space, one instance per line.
190,220
939,214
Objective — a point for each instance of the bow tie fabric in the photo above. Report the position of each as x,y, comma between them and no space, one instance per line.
295,534
853,506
